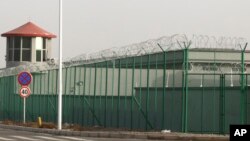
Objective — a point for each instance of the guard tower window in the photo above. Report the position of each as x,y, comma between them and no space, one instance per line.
38,55
17,42
10,48
17,46
44,51
26,49
41,51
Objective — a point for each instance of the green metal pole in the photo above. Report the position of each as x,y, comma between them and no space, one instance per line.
183,92
140,92
89,92
52,95
106,93
81,107
186,90
64,113
126,91
32,100
147,98
173,91
1,99
220,107
112,92
13,97
69,105
118,104
214,98
47,101
100,94
93,120
84,93
133,74
164,91
68,97
10,97
44,96
156,91
164,87
74,112
5,99
55,101
40,96
243,97
202,99
222,104
247,98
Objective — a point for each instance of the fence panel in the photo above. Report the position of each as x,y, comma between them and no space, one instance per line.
140,93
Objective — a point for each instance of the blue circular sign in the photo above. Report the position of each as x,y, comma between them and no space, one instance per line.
24,78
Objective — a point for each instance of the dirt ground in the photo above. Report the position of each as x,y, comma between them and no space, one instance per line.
72,127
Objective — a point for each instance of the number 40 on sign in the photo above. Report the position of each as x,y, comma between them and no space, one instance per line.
25,91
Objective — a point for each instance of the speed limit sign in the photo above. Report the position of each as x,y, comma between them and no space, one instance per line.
25,91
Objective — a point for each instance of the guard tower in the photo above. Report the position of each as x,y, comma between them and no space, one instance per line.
27,44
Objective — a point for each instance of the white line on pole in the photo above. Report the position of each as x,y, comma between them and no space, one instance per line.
24,110
60,69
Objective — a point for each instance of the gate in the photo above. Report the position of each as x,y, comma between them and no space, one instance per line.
218,101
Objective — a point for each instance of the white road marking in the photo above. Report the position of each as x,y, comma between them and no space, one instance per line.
25,138
73,138
49,138
5,139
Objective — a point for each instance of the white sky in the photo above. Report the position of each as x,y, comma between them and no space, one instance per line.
93,25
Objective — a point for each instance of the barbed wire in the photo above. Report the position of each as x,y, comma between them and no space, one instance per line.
218,67
167,43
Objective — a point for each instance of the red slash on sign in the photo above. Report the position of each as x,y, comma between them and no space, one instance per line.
24,78
25,91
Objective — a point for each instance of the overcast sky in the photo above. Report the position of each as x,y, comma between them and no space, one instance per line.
92,25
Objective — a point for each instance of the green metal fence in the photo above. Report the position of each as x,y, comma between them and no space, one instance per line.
148,92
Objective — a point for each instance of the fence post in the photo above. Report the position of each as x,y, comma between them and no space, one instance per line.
133,78
84,93
106,93
243,94
222,104
185,88
119,99
94,100
164,85
147,97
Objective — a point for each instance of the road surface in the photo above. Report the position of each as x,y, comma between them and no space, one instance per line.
14,135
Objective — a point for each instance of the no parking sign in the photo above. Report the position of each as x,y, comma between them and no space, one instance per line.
24,78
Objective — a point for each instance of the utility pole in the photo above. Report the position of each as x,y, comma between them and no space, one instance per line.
60,69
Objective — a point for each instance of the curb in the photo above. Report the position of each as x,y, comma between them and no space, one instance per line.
123,134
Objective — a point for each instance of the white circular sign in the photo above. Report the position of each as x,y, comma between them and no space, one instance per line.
25,91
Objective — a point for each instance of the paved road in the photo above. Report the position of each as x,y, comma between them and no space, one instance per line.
13,135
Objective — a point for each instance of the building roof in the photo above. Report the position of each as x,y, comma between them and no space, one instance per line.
29,30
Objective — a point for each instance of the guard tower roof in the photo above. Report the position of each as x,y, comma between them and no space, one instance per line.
29,30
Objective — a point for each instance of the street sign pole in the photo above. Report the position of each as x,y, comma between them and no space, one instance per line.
24,110
24,79
60,69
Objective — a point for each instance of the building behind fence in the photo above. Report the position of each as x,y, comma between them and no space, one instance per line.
198,85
